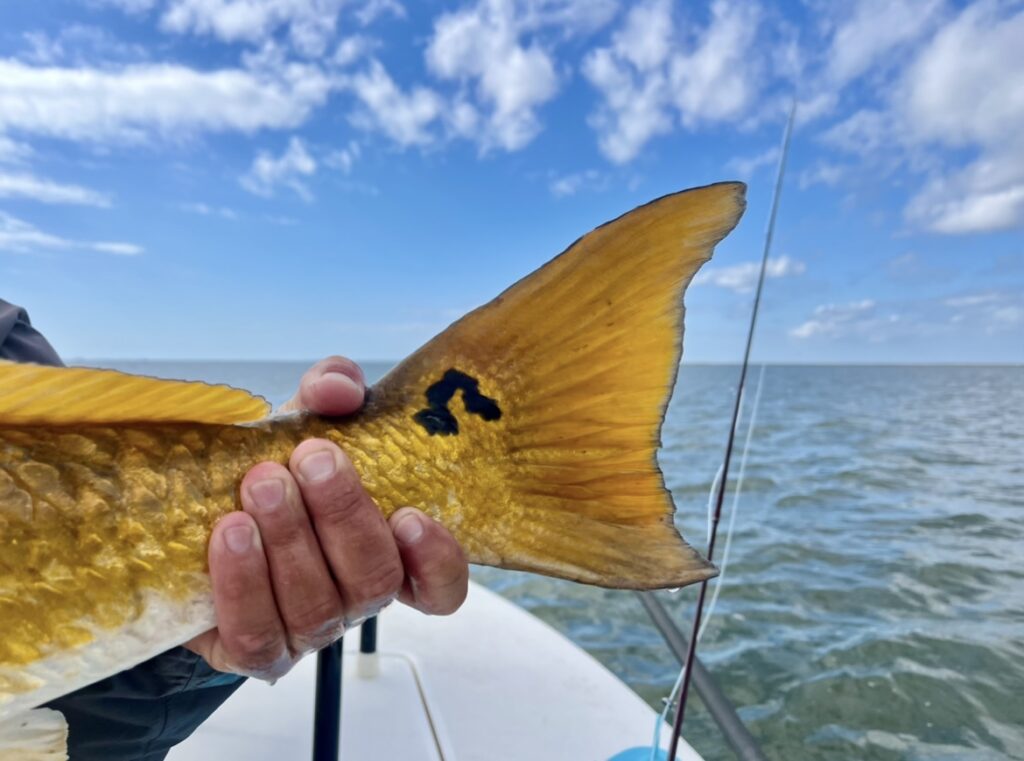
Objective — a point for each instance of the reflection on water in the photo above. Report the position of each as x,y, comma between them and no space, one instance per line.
874,602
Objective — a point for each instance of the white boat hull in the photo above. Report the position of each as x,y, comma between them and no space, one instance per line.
491,682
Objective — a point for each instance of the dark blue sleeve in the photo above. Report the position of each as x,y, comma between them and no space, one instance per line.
19,341
139,714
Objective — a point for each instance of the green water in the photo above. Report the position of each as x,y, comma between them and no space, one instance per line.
873,607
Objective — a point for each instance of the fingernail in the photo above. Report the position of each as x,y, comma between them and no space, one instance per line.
409,529
238,539
267,494
342,379
318,466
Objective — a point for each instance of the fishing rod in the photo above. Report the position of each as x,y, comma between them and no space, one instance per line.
691,651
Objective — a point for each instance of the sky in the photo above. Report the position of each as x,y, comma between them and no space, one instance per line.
279,179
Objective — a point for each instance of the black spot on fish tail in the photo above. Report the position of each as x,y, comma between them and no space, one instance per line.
438,419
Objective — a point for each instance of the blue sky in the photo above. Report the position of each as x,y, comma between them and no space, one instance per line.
285,179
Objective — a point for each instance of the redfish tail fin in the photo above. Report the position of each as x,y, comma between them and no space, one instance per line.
565,379
37,735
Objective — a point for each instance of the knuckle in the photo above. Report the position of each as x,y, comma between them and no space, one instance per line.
445,566
344,501
286,534
444,589
316,620
380,582
258,651
232,589
284,528
441,600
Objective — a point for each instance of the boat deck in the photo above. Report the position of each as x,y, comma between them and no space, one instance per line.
491,682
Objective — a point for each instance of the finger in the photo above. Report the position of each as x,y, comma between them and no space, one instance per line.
251,637
307,599
436,570
353,534
333,386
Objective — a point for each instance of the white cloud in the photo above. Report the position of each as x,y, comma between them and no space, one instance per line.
571,184
822,173
991,311
572,17
866,132
874,30
118,249
1009,315
961,205
374,9
632,80
833,320
288,169
653,74
966,90
742,278
352,48
745,166
404,117
961,93
344,158
717,80
310,24
77,44
973,299
20,237
29,186
128,6
166,100
481,46
13,152
634,110
209,211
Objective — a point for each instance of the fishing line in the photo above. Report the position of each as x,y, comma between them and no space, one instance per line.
662,718
677,725
720,579
711,501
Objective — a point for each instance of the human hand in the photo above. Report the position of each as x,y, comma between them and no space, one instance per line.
310,553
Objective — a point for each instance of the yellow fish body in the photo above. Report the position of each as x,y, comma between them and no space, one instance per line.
529,428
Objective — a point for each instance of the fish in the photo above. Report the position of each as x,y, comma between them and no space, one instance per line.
529,428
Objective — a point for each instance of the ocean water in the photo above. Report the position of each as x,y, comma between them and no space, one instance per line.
873,604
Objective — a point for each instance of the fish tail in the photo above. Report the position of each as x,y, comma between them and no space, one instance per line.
564,382
37,735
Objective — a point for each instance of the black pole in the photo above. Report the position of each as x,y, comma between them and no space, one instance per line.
733,729
368,636
327,712
691,650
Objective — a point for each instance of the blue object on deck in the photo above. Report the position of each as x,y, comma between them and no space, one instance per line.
639,754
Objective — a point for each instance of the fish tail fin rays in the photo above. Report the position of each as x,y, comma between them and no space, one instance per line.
37,735
574,365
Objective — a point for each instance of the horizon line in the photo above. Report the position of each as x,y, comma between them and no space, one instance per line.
699,363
